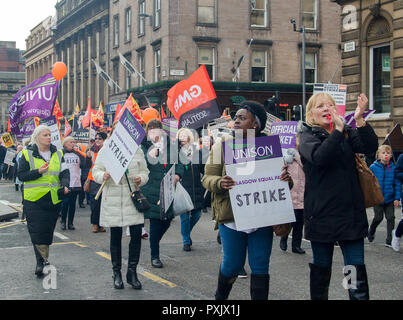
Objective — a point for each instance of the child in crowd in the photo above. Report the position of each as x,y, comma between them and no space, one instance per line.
384,170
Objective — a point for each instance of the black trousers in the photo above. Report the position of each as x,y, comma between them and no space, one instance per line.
69,207
297,227
95,209
134,246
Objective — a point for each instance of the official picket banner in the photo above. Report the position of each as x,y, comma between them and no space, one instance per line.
337,91
287,132
35,100
121,146
259,198
167,191
10,155
51,122
7,140
170,126
193,101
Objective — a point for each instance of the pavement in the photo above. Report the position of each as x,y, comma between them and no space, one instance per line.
81,269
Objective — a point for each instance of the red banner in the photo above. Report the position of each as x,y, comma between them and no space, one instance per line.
193,101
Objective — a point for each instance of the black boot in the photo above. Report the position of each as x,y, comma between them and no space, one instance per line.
259,286
362,291
134,256
116,257
39,263
224,287
283,243
319,282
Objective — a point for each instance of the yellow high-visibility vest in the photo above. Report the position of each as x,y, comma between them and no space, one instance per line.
36,189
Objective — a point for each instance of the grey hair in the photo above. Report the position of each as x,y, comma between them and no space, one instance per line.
37,132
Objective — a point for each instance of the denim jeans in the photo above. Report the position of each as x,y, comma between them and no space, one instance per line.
236,243
353,252
157,230
69,207
188,221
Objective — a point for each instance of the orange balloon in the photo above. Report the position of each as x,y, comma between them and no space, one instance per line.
149,114
59,70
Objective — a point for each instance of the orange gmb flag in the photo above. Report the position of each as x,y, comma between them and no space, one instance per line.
163,115
88,114
98,118
67,128
193,101
57,111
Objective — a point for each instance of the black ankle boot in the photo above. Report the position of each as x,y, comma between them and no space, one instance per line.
319,282
224,287
259,286
362,291
117,279
39,263
132,279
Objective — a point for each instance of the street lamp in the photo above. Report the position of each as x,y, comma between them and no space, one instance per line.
302,30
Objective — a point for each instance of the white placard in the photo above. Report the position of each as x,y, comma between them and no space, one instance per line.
167,190
8,159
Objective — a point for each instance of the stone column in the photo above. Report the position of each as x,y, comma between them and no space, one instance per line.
75,78
82,68
67,107
90,86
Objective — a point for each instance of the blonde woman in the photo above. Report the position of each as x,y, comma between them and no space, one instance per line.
46,180
334,207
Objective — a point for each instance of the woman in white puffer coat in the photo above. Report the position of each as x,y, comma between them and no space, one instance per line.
118,211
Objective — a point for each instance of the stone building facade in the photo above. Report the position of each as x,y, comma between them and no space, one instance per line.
81,37
372,39
166,41
39,54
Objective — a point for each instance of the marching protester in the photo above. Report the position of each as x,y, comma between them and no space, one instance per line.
84,175
17,182
384,170
191,157
334,208
398,232
257,242
156,148
100,137
74,161
3,151
295,169
46,181
118,211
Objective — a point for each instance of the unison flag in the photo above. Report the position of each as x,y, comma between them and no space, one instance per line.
193,101
34,100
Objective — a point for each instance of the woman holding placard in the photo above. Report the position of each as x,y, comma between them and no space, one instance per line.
257,242
156,147
46,181
118,211
334,209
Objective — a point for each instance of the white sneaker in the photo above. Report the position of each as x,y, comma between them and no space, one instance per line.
128,231
395,241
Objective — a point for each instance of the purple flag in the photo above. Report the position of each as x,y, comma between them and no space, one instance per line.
350,117
27,128
34,100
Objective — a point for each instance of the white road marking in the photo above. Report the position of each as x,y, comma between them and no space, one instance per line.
60,236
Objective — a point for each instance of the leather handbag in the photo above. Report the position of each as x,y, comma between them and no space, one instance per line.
370,187
139,200
282,230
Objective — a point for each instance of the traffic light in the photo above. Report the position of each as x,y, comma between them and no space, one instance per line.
297,112
272,105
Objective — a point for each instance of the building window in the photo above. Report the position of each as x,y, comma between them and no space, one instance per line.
206,56
142,68
206,11
141,19
309,13
128,25
128,79
116,31
116,75
379,85
258,15
157,14
157,65
259,66
310,68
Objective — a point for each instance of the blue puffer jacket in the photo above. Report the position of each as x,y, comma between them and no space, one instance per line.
390,184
